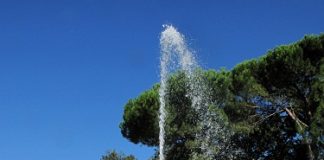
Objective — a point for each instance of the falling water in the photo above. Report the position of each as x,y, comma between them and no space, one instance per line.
172,47
175,55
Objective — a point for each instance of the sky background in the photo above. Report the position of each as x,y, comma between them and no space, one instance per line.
68,67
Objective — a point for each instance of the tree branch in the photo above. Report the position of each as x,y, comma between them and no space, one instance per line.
295,118
263,119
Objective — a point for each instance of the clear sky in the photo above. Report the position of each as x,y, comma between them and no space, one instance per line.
68,67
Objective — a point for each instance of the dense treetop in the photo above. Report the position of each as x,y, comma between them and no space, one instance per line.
113,155
272,105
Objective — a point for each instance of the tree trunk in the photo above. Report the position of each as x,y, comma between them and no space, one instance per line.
310,154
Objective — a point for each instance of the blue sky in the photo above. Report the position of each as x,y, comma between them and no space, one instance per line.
68,67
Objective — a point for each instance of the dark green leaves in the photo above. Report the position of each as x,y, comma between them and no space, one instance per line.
274,105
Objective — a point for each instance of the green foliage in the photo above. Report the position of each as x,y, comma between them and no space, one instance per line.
181,120
140,123
274,106
113,155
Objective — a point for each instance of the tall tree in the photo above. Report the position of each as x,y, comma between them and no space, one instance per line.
113,155
274,106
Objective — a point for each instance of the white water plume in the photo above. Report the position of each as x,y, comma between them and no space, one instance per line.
175,55
173,48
